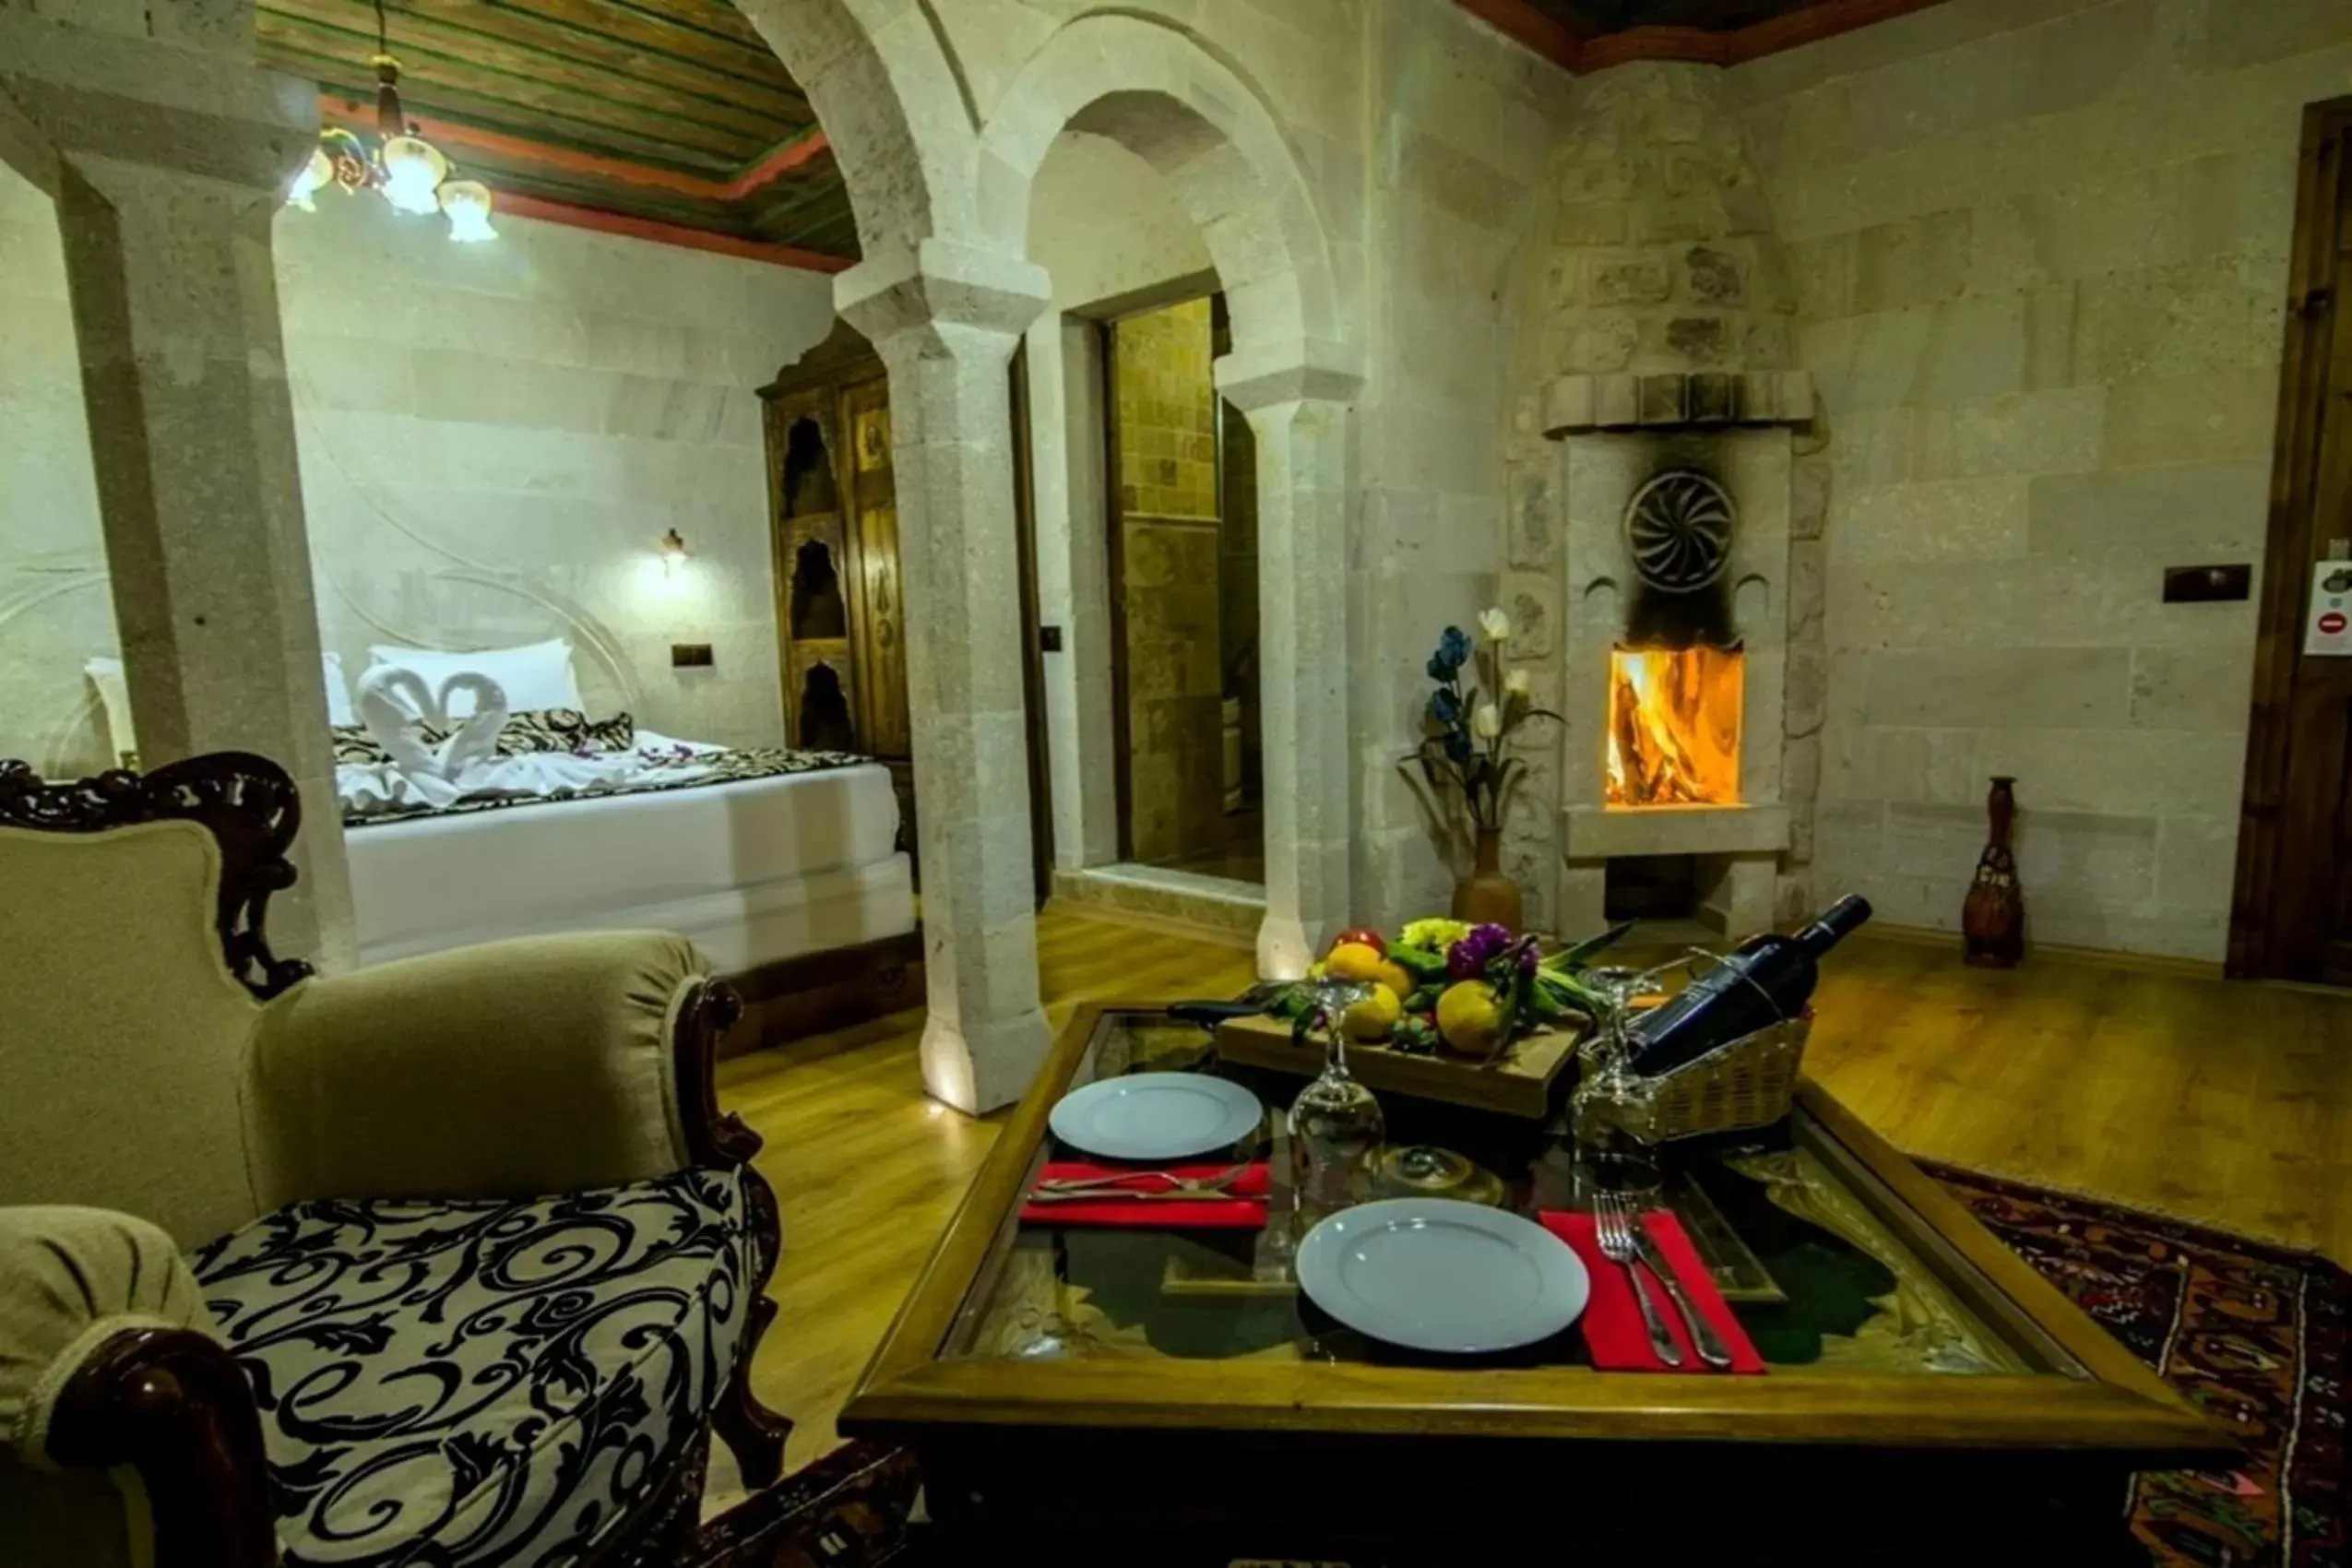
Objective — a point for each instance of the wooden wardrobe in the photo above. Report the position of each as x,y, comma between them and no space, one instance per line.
834,525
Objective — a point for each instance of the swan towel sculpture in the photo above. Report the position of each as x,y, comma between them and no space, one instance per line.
395,704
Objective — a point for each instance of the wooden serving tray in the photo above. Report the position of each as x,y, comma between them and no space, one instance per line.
1518,1082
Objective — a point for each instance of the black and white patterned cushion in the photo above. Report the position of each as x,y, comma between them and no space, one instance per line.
566,730
462,1385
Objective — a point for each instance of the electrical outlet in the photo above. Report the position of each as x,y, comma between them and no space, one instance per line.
2207,585
690,656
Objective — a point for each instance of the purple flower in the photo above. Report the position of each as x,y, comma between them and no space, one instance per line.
1467,958
1527,958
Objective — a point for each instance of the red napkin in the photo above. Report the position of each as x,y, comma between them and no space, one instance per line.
1613,1320
1244,1211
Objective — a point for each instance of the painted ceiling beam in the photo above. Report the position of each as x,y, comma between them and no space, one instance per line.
1572,48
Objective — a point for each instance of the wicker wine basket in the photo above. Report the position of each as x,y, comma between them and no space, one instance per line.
1751,1082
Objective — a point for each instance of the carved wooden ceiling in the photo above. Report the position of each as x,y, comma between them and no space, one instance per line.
661,115
1595,16
1589,35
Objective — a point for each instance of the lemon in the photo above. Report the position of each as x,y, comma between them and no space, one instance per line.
1352,961
1372,1017
1469,1018
1393,975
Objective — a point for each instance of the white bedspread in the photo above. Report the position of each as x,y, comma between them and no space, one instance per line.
753,871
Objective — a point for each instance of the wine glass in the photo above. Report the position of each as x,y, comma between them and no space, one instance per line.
1609,1094
1336,1125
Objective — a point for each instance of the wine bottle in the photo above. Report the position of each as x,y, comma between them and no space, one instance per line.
1764,980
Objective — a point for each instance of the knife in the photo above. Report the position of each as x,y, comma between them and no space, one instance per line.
1704,1338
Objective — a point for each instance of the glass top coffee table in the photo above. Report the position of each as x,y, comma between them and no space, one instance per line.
1898,1335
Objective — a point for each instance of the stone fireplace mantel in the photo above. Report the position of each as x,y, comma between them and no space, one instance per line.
1594,833
1574,405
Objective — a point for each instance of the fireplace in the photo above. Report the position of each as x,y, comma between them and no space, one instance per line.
1674,672
1674,726
1668,495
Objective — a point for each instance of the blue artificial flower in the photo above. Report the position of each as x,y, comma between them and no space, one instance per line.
1445,707
1454,648
1457,748
1439,670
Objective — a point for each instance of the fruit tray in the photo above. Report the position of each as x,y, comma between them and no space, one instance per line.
1516,1082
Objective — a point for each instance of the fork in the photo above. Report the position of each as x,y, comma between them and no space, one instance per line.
1069,1188
1614,1229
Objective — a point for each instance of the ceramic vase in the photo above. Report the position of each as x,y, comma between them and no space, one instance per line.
1992,917
1486,895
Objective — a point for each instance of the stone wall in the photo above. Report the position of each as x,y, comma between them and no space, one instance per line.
2040,254
1463,125
54,610
494,437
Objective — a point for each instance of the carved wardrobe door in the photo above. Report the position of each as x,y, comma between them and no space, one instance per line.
834,513
880,649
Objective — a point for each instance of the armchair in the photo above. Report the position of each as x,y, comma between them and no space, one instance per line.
450,1260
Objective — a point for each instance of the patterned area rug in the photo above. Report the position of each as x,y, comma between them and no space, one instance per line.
2253,1333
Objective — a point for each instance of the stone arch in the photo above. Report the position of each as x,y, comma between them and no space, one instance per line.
888,100
1208,132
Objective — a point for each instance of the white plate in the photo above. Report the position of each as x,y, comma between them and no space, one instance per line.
1437,1273
1156,1116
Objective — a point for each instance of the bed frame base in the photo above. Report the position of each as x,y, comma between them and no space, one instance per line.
795,997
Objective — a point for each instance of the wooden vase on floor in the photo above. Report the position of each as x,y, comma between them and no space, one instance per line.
1486,896
1992,917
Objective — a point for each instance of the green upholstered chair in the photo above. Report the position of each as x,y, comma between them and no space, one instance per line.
449,1260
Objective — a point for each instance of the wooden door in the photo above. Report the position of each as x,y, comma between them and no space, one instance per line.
1032,649
2292,915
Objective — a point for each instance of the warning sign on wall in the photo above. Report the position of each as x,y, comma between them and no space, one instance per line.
2327,630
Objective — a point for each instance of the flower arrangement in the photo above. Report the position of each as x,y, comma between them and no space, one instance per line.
1466,728
1445,984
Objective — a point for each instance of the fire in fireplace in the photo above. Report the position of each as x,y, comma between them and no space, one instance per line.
1674,726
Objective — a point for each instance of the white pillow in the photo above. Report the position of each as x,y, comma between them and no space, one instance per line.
114,693
535,675
338,693
106,674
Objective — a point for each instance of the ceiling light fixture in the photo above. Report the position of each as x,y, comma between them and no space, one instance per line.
405,169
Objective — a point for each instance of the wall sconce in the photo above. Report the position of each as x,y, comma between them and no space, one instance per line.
672,545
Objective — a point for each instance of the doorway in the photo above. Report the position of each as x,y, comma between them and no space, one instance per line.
2291,915
1184,569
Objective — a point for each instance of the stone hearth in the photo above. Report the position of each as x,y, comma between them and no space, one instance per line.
1664,344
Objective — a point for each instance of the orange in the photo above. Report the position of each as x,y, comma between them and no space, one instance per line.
1372,1018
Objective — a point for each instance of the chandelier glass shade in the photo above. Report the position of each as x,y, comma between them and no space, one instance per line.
400,165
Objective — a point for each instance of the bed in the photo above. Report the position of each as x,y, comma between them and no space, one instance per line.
784,867
754,871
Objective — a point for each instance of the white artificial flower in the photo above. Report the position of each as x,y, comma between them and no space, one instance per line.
1487,722
1495,624
1517,685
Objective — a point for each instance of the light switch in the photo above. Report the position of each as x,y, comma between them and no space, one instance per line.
690,656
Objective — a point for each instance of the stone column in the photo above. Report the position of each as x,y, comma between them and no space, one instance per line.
945,321
1300,412
1071,511
171,149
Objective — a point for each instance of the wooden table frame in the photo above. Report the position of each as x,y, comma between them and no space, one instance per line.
2117,1413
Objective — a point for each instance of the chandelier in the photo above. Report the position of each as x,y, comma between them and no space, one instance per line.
402,167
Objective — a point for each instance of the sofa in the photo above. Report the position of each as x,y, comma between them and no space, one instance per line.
449,1262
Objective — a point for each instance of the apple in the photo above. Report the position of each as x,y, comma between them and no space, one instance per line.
1362,936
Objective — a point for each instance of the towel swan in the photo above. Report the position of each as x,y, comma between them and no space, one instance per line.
394,701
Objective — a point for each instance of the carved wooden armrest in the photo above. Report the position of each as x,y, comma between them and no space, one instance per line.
172,1404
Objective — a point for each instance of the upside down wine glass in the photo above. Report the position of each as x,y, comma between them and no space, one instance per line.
1609,1094
1336,1125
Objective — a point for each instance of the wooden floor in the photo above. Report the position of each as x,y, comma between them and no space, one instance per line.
2226,1103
